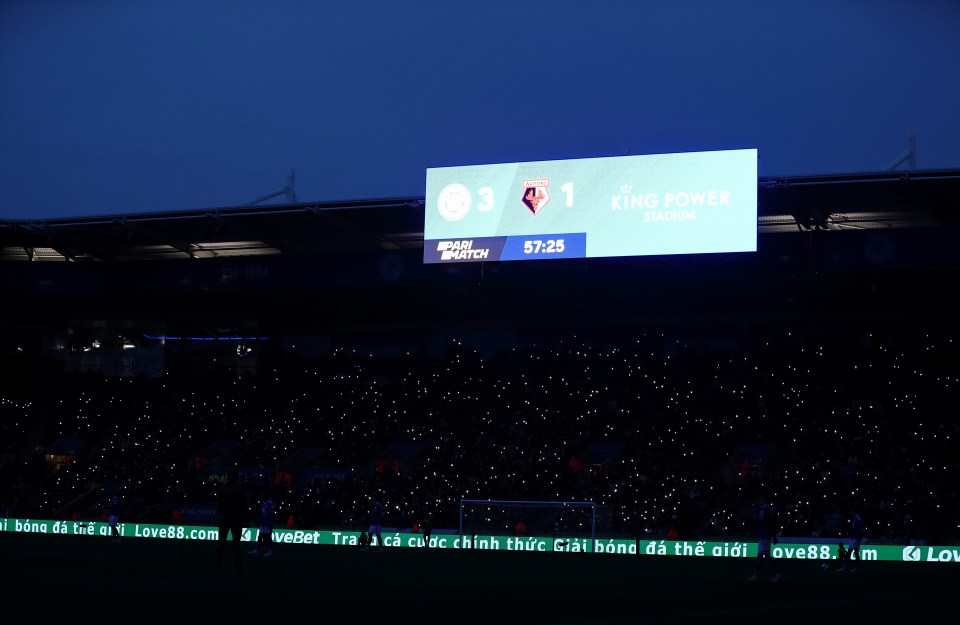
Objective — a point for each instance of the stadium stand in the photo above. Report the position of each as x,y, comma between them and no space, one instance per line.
307,345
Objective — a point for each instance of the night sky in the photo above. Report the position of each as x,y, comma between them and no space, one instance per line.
121,107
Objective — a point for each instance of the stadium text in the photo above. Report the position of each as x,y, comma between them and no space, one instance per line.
682,199
450,540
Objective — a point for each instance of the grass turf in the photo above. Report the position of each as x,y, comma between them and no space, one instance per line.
69,577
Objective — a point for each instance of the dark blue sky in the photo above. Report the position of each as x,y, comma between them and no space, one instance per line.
128,106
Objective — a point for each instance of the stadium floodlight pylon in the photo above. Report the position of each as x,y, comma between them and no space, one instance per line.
495,517
909,155
287,191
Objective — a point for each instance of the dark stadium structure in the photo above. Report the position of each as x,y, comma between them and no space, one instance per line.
691,431
833,250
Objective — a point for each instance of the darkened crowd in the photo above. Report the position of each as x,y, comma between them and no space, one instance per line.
668,437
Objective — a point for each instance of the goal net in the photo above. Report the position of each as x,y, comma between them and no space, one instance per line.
547,519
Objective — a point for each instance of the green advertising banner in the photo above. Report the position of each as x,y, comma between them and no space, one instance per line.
697,549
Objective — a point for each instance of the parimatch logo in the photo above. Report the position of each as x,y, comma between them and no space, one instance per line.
461,250
477,249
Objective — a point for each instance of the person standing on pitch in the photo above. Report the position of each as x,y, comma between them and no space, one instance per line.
857,534
427,531
265,528
766,529
113,517
376,519
231,500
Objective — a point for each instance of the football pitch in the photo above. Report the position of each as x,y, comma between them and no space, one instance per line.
71,578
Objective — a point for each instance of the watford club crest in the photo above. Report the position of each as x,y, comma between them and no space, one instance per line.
535,194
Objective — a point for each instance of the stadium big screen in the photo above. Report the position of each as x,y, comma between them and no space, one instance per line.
685,203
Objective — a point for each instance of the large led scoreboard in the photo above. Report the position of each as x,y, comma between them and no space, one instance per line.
686,203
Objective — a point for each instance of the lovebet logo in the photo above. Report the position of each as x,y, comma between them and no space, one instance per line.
933,554
943,555
911,554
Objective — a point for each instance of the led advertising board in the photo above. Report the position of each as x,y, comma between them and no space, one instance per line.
684,203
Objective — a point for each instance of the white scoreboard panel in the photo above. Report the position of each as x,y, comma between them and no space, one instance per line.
685,203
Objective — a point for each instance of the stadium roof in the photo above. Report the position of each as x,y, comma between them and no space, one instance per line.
833,252
834,203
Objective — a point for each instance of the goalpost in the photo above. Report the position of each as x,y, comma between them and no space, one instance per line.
499,517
